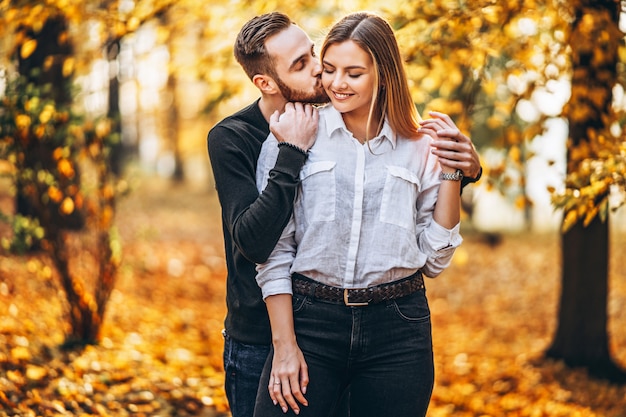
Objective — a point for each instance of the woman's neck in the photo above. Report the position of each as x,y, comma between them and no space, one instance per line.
357,125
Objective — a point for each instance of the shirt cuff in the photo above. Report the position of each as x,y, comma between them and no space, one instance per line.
277,286
441,238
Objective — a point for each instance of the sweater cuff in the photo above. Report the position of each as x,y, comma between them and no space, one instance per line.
290,160
292,146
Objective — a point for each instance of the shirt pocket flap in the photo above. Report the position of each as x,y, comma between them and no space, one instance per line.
405,174
316,167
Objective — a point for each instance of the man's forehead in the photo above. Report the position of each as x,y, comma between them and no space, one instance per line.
288,44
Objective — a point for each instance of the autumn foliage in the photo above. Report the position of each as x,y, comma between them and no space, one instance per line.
489,64
61,176
493,315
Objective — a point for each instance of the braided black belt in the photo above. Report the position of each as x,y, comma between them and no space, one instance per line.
357,296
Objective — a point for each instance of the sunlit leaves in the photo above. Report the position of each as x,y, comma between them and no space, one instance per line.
597,158
67,206
589,189
511,54
28,48
68,66
26,233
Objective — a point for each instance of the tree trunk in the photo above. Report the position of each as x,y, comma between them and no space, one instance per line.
581,338
44,69
173,129
84,322
113,113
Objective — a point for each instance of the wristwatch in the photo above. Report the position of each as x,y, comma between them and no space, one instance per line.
452,176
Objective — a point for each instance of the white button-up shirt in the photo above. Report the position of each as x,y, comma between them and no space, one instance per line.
363,215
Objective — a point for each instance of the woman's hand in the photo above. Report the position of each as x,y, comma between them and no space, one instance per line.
289,377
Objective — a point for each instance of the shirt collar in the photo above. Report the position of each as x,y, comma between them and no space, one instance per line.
334,122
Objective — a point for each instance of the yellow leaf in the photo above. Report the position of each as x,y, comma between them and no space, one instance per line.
28,48
40,131
521,202
22,121
515,154
67,207
55,194
48,63
20,353
35,373
133,24
103,128
106,217
68,67
65,168
57,153
570,220
46,114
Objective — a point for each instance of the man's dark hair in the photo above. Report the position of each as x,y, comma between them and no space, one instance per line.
250,49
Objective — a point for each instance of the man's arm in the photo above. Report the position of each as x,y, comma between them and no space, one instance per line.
255,221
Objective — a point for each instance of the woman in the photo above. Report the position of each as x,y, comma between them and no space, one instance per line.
344,287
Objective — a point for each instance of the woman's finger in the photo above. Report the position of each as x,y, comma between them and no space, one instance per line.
288,398
273,386
278,397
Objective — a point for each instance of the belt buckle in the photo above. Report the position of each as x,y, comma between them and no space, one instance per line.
346,300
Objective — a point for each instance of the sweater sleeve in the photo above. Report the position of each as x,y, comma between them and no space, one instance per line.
254,221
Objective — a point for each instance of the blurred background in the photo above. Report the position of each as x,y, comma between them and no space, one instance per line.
162,72
107,199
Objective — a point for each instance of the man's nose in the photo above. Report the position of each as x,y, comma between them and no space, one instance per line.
317,69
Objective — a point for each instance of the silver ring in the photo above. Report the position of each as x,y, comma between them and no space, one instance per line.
276,382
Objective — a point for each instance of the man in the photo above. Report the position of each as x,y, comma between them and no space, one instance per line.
280,60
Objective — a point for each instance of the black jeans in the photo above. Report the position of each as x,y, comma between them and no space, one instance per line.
383,352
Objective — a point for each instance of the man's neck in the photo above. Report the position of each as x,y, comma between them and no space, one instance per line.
269,104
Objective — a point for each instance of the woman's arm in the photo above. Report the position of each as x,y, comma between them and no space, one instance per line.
447,211
289,376
448,207
439,209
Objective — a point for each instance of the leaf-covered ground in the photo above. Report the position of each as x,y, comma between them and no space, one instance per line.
493,312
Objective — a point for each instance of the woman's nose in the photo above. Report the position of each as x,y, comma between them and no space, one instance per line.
339,82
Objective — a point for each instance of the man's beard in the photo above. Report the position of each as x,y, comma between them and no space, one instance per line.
316,97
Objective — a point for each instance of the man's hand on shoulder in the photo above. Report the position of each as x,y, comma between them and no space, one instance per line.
297,125
454,149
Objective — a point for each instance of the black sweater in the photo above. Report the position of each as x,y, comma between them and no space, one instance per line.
252,223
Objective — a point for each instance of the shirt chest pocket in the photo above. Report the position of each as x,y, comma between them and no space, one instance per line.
318,195
398,205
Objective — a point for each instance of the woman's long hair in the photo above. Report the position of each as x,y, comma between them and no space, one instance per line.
391,96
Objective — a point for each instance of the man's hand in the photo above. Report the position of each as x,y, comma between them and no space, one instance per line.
297,125
454,149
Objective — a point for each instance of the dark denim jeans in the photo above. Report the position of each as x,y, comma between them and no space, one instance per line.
243,365
383,352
